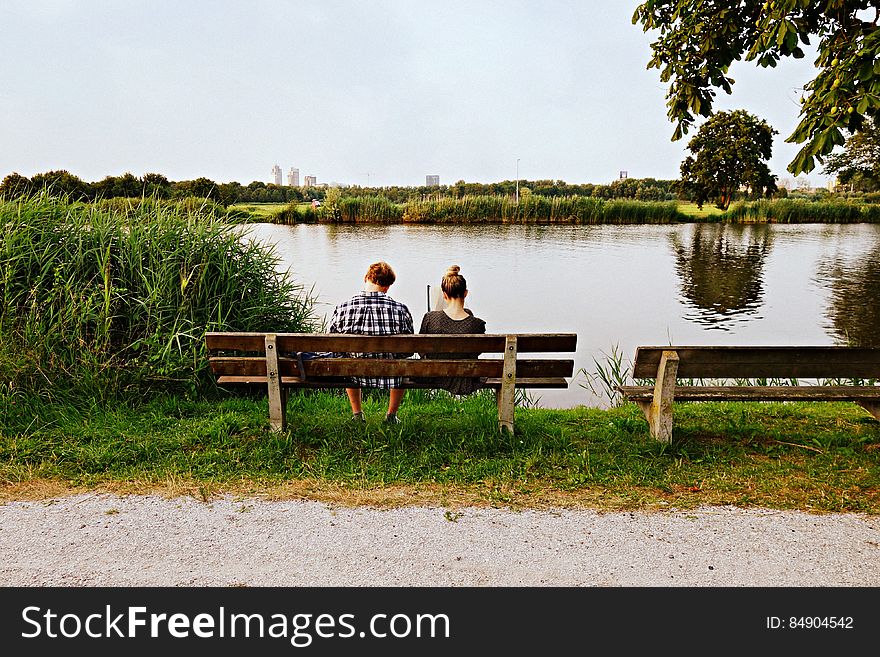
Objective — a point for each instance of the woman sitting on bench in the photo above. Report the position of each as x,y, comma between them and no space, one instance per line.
454,318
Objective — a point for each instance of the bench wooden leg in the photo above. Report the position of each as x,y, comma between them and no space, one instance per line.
507,392
277,398
873,407
659,411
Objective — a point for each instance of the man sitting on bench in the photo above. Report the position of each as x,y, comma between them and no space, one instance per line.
373,312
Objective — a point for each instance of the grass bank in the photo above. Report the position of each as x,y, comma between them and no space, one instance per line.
817,457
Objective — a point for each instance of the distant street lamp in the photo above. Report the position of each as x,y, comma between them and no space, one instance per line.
517,181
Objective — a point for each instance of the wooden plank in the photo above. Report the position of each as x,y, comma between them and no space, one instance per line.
273,381
428,343
256,366
873,407
507,390
547,382
763,362
759,393
539,383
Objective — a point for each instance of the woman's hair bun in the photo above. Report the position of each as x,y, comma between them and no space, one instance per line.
453,270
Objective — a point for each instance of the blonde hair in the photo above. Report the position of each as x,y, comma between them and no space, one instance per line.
453,284
381,274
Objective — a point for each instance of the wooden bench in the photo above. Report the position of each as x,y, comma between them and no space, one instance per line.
268,359
667,364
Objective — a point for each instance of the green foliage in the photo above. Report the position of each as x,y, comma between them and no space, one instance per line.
88,292
729,150
858,164
698,41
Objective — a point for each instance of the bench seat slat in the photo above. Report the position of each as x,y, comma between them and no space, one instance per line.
256,366
427,343
758,393
545,382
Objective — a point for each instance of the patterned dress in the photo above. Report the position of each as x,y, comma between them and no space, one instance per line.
437,321
373,313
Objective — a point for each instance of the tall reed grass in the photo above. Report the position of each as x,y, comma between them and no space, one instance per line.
531,209
92,293
794,211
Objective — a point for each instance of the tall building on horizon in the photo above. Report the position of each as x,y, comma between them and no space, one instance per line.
293,177
432,181
310,181
276,174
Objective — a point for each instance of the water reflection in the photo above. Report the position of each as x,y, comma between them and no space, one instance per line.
854,301
615,285
720,269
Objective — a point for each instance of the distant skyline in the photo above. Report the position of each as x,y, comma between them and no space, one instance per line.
381,93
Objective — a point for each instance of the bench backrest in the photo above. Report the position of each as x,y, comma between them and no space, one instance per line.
406,343
707,362
251,350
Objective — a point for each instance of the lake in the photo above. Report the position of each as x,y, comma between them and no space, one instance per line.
616,286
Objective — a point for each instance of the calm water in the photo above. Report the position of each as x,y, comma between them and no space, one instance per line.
616,286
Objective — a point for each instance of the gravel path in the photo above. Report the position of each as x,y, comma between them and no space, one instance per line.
106,540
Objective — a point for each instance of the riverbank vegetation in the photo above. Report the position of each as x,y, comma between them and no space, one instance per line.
627,200
567,210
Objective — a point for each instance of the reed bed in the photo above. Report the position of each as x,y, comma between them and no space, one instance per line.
531,209
536,209
376,209
93,293
795,211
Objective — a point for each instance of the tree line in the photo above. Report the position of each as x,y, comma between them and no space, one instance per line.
159,186
153,185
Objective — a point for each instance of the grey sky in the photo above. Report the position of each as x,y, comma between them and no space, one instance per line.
377,91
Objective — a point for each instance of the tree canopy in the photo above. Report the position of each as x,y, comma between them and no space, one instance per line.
859,162
729,150
700,39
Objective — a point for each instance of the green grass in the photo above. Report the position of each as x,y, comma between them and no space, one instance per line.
260,212
692,210
818,457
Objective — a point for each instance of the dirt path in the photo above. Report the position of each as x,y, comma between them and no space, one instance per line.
138,540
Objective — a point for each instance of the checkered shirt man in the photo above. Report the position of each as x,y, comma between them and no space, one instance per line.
373,313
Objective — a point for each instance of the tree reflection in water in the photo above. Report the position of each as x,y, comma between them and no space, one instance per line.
720,271
854,301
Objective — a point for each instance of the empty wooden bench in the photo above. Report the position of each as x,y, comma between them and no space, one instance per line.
667,364
269,359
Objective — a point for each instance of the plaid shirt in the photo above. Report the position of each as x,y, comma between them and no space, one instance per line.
373,313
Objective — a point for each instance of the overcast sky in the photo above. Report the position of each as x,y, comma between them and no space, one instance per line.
379,92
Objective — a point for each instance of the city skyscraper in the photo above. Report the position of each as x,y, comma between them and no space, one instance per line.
310,181
276,175
293,177
432,181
